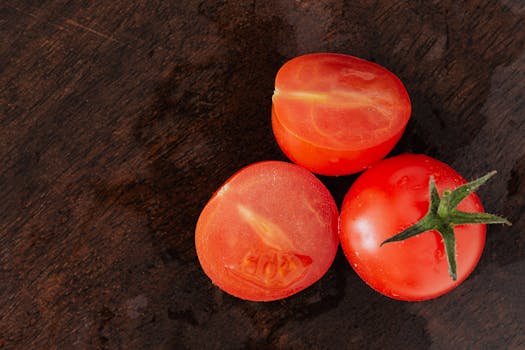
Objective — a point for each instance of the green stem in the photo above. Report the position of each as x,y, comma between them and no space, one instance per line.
442,216
449,240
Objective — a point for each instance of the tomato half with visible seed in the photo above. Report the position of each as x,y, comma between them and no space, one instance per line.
270,231
337,114
390,197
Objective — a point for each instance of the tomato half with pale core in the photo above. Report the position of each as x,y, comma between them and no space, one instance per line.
270,231
336,114
393,195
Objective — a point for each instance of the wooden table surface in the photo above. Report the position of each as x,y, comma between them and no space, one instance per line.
120,118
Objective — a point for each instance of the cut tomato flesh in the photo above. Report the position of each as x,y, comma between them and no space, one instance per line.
336,114
270,231
349,105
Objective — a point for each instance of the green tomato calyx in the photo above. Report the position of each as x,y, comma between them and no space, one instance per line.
442,216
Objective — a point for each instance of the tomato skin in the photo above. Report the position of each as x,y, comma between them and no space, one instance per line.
337,114
386,199
270,231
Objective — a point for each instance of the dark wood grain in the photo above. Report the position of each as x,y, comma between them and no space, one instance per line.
120,118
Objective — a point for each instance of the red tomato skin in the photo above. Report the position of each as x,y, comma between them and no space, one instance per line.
337,114
270,231
389,197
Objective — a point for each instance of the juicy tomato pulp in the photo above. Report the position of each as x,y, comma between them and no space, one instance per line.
336,114
388,198
270,231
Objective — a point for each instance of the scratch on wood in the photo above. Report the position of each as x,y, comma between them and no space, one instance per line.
67,21
19,10
78,25
28,13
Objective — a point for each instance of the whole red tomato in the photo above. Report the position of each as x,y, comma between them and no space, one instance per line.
336,114
270,231
392,196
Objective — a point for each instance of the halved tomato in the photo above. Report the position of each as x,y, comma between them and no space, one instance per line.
337,114
270,231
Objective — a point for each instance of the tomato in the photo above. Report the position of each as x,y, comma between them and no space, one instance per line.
393,195
336,114
270,231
